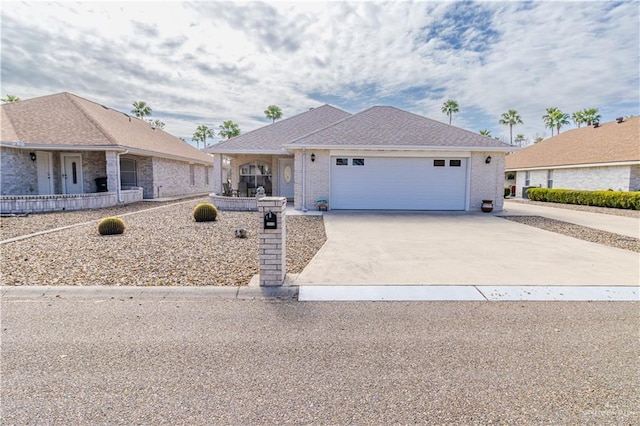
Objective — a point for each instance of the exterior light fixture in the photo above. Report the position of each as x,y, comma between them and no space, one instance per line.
32,155
313,157
488,160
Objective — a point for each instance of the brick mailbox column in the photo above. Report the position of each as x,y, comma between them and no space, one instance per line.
273,247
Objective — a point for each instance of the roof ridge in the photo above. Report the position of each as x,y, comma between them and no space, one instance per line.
93,121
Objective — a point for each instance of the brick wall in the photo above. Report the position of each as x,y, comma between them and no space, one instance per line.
487,180
174,178
634,178
618,178
19,173
318,178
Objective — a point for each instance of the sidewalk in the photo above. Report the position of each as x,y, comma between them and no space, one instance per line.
628,226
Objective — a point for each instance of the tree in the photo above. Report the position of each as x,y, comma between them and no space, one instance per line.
450,107
550,118
578,118
141,109
591,116
520,140
485,132
228,129
510,118
10,99
157,123
273,112
201,134
562,119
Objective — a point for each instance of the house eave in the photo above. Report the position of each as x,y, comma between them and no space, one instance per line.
246,151
403,148
113,148
573,166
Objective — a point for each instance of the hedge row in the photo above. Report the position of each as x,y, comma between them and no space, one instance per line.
613,199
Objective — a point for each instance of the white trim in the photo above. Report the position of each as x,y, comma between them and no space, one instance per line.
356,153
575,166
49,171
406,148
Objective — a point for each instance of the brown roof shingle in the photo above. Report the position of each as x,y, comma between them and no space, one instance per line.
608,143
65,119
385,126
272,137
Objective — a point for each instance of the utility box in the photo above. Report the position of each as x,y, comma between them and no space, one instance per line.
524,191
101,184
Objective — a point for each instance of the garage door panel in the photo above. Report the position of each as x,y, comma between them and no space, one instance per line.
398,184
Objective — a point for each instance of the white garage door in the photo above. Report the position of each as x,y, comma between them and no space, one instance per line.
379,183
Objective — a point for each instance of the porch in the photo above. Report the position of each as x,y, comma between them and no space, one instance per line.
21,204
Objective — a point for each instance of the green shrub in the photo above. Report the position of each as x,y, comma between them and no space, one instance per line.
612,199
205,212
111,226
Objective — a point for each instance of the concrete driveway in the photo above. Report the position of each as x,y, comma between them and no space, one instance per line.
367,248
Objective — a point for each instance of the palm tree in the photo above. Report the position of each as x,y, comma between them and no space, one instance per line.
228,129
141,109
591,116
273,112
562,119
10,99
520,139
201,134
450,107
578,118
510,118
485,132
550,118
157,123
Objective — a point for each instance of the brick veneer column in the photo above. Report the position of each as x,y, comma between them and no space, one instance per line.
112,170
273,247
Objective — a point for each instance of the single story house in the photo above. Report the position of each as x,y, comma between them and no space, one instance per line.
63,152
597,157
382,158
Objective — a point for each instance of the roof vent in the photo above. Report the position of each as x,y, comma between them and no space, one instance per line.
596,124
619,119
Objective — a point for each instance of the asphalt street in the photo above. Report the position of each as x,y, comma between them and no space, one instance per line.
129,360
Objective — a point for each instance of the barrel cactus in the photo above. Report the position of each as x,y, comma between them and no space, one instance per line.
205,212
111,226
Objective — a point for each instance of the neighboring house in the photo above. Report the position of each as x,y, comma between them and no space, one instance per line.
60,148
382,158
602,157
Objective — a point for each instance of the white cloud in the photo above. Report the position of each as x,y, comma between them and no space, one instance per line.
206,62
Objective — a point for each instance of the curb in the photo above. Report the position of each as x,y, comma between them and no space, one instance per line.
131,292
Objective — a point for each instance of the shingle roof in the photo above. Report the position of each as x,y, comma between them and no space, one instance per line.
610,142
67,120
385,126
272,137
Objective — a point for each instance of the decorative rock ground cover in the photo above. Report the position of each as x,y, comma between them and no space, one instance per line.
159,247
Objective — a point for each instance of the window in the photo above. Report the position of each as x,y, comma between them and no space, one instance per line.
256,174
527,178
358,161
128,172
549,178
342,161
455,163
438,163
192,174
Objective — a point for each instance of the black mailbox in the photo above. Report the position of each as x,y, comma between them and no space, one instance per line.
270,220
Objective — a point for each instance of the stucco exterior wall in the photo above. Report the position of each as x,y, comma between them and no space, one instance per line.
174,178
618,178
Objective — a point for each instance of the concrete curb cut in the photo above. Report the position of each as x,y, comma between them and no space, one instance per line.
130,292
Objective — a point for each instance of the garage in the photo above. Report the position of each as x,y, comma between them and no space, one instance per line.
398,183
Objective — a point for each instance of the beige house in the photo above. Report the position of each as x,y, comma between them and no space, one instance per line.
382,158
598,157
63,152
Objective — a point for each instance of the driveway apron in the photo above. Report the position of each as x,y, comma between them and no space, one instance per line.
419,248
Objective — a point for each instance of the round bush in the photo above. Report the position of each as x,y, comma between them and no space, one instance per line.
205,212
111,226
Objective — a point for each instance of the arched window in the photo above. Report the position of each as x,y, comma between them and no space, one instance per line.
256,174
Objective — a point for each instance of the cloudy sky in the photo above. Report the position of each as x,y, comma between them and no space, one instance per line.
207,62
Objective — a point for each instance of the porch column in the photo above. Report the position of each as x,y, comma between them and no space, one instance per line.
113,169
217,173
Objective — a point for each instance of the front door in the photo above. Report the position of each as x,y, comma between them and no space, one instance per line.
286,178
71,174
45,172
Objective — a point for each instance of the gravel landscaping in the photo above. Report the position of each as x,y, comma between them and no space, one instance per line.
163,246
